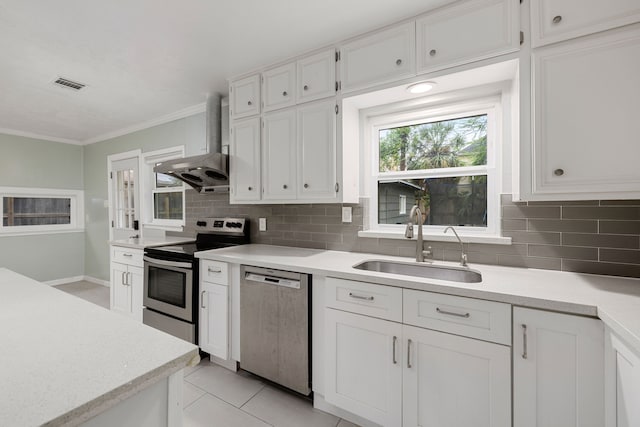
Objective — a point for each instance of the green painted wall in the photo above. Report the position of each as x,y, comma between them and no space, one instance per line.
28,162
189,132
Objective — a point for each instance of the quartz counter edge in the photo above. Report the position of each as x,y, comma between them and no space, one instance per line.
142,243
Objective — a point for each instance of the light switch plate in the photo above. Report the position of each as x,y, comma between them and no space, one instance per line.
262,224
346,214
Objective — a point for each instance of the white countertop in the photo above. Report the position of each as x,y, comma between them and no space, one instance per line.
64,360
615,300
149,242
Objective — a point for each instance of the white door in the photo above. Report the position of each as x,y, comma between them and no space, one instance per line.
135,279
244,160
244,97
586,96
124,196
455,381
120,289
316,76
465,32
382,57
363,367
317,151
279,155
214,320
278,87
558,378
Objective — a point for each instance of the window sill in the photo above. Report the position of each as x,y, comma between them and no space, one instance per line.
430,237
37,232
177,228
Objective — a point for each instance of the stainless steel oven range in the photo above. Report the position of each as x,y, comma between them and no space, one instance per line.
171,276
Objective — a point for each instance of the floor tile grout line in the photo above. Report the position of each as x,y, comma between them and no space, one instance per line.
254,395
240,408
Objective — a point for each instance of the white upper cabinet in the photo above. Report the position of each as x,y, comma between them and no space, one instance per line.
316,76
557,20
317,151
279,155
558,378
378,58
278,87
244,160
586,98
244,97
465,32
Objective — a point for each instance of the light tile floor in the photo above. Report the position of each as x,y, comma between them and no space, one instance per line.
215,396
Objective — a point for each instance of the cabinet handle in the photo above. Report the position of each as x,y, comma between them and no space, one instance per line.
284,186
249,103
127,255
398,61
250,188
212,270
124,281
395,340
202,299
524,341
557,19
284,93
306,87
432,52
558,172
409,354
364,297
306,186
451,313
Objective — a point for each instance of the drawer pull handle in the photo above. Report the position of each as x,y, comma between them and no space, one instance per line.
395,340
127,255
409,354
524,341
364,297
451,313
214,270
202,299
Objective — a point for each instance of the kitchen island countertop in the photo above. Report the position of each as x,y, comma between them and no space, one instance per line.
65,360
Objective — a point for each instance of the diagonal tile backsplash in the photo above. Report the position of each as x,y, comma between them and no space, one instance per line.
600,237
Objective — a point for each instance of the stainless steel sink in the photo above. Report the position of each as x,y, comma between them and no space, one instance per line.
452,274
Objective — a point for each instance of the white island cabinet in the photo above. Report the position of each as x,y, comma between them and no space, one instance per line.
100,369
622,379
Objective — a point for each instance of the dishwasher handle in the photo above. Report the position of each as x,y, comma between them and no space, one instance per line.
272,280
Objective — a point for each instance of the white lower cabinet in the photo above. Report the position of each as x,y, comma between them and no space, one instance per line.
399,375
127,282
622,375
558,365
214,320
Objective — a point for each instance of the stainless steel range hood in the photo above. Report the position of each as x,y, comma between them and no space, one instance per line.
208,172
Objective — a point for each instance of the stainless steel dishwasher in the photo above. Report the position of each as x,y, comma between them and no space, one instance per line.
274,326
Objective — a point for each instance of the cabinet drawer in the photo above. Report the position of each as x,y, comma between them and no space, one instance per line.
127,256
380,301
214,272
485,320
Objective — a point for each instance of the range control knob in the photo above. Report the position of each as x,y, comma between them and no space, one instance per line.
201,223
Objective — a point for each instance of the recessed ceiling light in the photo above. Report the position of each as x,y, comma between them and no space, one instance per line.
421,87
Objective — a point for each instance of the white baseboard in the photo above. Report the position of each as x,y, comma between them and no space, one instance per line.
77,279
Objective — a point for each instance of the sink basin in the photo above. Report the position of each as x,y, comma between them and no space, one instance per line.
452,274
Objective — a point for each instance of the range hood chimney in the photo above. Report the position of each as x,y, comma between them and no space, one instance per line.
208,172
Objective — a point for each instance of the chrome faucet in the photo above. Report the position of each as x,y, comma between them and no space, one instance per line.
463,255
420,252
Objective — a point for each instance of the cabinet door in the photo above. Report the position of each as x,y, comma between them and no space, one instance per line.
557,20
382,57
622,375
317,76
279,155
214,320
317,151
244,97
363,366
586,95
244,160
135,279
467,32
278,87
454,381
557,370
120,290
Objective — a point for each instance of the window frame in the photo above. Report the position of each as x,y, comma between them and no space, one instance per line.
148,162
76,220
491,106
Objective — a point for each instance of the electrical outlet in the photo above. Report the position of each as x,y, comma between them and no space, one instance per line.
346,214
262,224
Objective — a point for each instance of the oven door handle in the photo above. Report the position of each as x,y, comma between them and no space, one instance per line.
167,263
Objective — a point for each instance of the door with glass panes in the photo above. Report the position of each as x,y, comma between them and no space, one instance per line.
124,197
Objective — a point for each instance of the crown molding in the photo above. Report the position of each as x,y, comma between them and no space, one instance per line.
15,132
180,114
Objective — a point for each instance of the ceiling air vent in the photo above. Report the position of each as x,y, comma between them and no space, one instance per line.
69,84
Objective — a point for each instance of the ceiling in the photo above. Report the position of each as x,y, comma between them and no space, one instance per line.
145,60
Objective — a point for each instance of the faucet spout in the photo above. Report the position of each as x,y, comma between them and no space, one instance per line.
463,255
